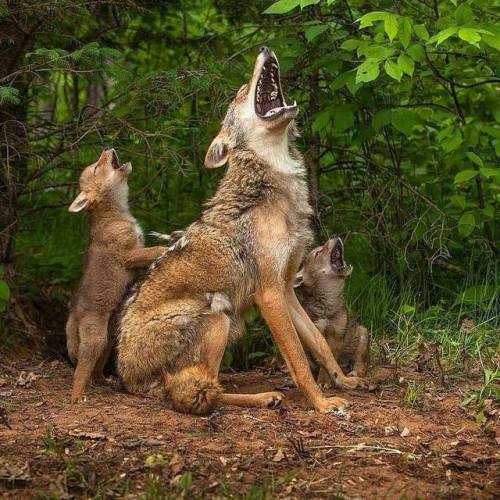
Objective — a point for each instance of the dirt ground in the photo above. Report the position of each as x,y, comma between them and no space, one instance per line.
119,445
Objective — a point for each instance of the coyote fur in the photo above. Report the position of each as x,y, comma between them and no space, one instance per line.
245,248
115,250
321,281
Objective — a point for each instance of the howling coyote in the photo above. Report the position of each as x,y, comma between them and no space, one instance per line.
245,248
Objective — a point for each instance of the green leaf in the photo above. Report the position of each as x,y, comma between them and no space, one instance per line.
459,201
257,355
9,96
314,31
344,117
370,18
466,224
464,176
350,44
416,52
421,32
489,211
406,64
186,481
322,119
367,71
405,32
282,7
4,291
492,41
404,120
474,158
489,172
440,37
393,70
391,26
470,35
408,309
340,81
464,15
452,142
382,118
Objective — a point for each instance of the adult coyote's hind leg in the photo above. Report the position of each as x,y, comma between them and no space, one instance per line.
195,389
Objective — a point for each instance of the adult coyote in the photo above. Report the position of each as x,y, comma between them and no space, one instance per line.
245,248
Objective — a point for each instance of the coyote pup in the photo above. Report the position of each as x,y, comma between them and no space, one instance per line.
115,249
246,247
321,281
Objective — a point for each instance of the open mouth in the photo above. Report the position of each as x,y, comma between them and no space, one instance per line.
337,256
269,101
126,168
114,160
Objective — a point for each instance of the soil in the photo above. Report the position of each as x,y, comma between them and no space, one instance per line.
115,444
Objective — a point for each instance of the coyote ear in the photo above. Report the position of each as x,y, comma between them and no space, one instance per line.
81,202
299,279
218,152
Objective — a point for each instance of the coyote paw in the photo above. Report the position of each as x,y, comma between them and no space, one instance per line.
352,383
329,405
78,398
272,400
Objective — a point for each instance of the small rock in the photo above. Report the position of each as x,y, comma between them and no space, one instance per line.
405,432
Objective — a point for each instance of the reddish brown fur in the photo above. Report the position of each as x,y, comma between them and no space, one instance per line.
321,294
246,246
115,248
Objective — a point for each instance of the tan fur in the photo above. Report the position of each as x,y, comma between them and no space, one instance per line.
245,248
193,390
115,248
322,297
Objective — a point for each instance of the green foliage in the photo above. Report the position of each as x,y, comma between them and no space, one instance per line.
4,292
9,95
399,118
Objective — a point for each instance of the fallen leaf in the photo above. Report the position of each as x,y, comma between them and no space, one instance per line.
25,379
176,464
279,456
405,432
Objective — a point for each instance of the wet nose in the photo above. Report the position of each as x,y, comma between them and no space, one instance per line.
107,148
264,50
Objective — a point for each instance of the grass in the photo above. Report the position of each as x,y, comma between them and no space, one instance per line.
401,311
413,396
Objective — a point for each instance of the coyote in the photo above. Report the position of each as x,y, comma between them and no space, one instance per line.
245,248
115,250
321,281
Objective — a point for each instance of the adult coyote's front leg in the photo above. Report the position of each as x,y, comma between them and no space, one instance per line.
274,308
317,344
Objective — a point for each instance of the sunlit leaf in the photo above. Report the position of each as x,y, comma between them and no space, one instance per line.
391,26
464,176
421,32
282,7
367,71
406,64
470,35
393,70
405,32
371,17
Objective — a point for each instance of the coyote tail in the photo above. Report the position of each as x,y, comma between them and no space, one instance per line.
193,390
